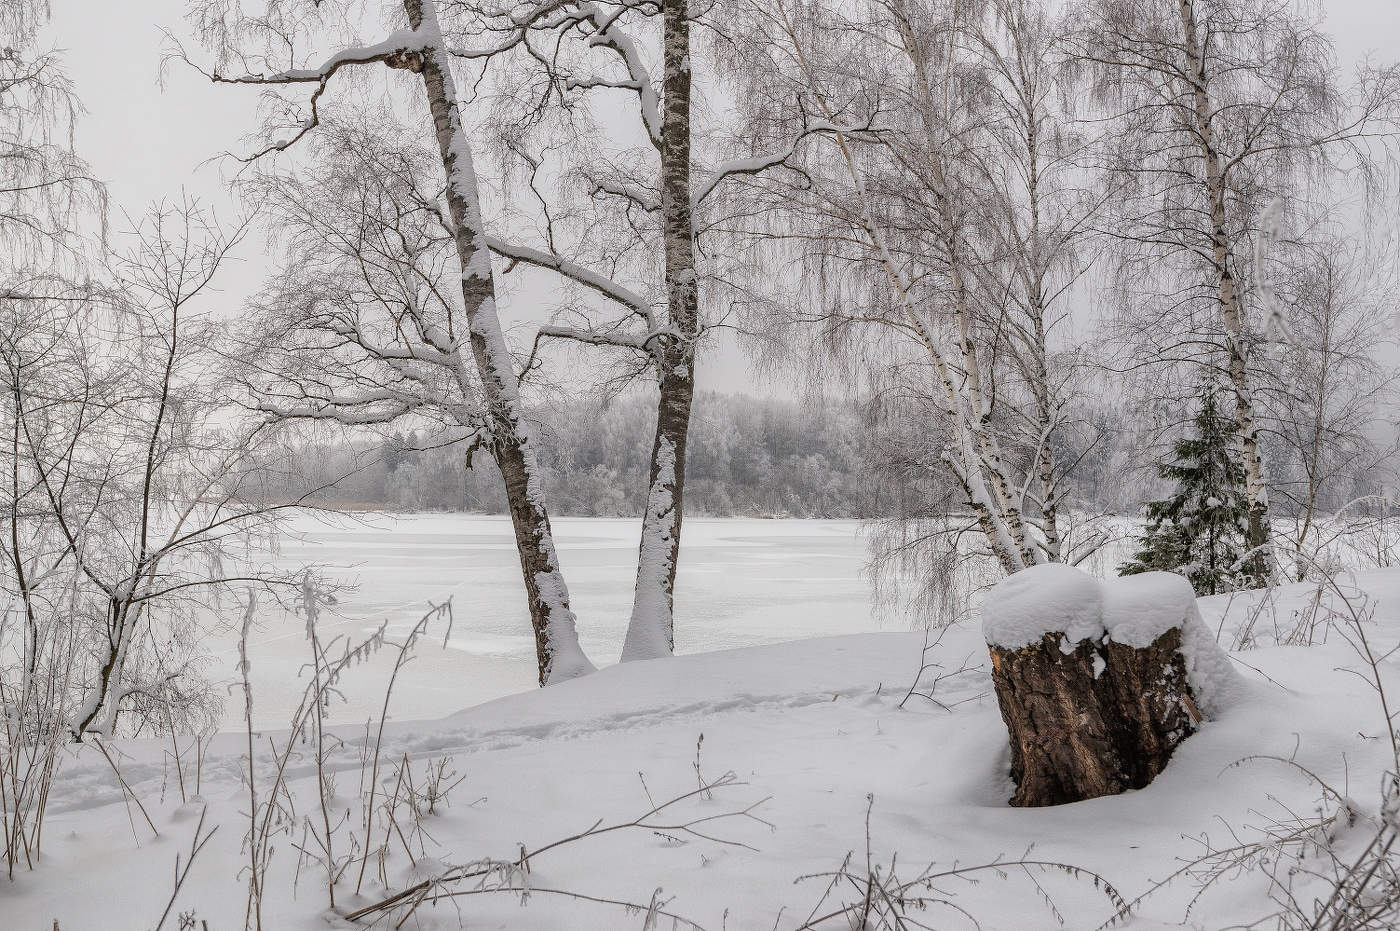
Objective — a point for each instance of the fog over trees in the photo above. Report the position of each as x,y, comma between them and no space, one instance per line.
750,457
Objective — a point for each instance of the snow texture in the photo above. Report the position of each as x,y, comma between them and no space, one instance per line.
806,723
1132,610
814,726
1140,608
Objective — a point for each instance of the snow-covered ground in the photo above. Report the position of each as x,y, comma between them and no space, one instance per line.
812,728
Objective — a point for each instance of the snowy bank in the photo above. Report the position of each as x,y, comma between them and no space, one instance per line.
814,727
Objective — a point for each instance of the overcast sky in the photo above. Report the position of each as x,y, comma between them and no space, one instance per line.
147,141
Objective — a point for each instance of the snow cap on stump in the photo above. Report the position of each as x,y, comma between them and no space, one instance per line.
1134,610
1050,598
1098,681
1139,609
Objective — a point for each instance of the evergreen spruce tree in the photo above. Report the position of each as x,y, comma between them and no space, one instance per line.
1199,530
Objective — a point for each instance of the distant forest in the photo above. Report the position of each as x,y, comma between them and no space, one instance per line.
747,457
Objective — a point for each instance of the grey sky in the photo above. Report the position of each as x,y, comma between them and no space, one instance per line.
147,141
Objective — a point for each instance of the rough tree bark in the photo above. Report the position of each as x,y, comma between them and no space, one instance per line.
668,340
511,443
1098,720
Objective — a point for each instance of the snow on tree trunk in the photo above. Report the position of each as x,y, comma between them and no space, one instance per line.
1099,682
556,637
651,630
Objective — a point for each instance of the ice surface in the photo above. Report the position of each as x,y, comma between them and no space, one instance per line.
740,583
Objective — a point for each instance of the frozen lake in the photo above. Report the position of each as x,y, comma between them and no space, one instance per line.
741,583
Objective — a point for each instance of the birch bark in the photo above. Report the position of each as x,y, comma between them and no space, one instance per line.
651,630
1231,311
556,637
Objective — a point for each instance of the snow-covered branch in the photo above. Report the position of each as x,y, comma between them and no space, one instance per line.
595,337
608,36
592,280
402,49
365,410
756,164
643,342
397,51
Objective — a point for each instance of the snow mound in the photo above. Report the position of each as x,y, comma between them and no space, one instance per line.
1140,608
1051,598
1133,610
816,727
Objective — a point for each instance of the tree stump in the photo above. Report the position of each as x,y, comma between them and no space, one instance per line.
1097,682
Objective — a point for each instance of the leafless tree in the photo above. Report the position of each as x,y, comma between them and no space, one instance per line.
940,214
45,188
1326,387
628,218
119,465
271,49
1225,107
126,516
1035,238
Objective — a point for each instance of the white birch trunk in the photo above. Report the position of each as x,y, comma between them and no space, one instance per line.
991,463
1231,311
556,637
651,630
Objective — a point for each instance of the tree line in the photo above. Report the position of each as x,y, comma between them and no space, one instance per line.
750,457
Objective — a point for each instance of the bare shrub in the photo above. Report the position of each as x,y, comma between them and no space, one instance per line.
511,875
335,833
869,895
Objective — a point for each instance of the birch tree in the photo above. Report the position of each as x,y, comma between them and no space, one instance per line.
632,226
46,191
1326,389
1036,237
1226,106
284,45
939,219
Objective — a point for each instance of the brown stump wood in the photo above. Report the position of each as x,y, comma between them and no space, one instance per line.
1078,732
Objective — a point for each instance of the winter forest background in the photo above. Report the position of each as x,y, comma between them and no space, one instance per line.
680,337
